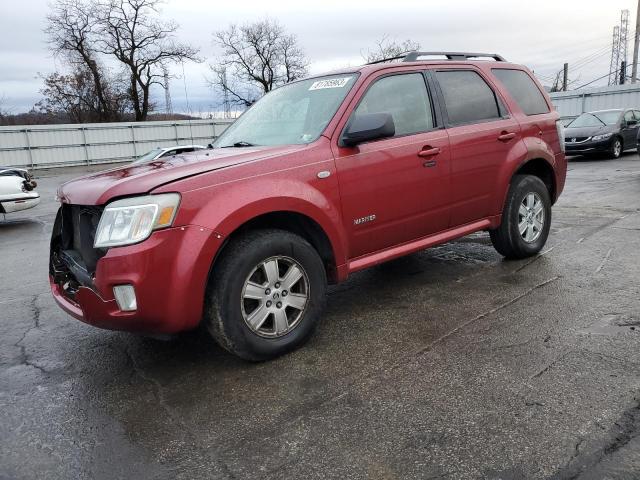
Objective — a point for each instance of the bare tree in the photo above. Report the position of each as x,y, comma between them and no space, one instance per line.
144,44
75,96
72,28
3,111
256,58
389,48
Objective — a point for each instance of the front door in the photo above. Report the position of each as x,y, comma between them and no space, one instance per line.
396,189
629,130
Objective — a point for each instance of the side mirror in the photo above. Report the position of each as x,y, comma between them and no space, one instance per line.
367,127
631,123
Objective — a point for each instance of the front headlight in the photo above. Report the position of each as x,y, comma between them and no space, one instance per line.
560,130
604,136
132,220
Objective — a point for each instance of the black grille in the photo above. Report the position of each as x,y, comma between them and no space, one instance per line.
73,258
577,139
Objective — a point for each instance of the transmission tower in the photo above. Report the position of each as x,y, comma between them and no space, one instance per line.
167,93
615,56
624,33
619,47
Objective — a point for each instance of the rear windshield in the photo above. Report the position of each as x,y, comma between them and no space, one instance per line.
523,90
596,119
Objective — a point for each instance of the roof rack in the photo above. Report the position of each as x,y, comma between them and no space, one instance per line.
413,56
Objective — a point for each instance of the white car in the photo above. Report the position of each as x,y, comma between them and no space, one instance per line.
17,190
167,152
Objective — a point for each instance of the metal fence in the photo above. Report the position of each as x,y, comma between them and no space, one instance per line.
44,146
572,103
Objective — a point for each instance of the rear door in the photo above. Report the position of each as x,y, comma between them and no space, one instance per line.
481,134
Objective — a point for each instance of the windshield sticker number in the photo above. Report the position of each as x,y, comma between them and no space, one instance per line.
330,83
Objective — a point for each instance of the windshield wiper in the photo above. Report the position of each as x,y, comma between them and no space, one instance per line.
240,144
598,118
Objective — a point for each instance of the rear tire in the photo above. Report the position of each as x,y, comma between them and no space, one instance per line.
526,219
254,308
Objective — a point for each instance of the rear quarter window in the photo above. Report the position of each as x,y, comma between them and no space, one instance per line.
523,90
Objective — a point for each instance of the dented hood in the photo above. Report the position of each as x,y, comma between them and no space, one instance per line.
141,178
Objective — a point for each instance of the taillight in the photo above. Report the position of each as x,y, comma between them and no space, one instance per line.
560,129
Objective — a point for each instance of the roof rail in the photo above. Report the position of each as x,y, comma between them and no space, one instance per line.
413,56
388,59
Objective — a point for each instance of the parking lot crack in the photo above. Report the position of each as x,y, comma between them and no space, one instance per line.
626,429
24,356
158,389
480,316
604,260
172,414
550,365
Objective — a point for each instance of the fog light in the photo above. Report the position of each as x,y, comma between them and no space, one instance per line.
125,297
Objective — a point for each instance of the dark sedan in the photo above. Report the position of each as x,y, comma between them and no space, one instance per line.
605,132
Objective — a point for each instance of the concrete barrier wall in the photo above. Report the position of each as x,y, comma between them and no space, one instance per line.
45,146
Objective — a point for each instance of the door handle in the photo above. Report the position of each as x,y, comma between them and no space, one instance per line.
505,136
428,152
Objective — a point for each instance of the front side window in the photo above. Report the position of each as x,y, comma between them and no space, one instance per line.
467,97
523,90
403,96
293,114
628,116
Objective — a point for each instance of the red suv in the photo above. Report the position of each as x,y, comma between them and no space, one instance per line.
319,179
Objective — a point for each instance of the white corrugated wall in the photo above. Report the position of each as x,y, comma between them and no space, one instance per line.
42,146
572,103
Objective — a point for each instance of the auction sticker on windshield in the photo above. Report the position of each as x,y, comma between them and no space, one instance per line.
330,83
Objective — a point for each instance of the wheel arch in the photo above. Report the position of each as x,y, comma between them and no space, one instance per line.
294,222
541,168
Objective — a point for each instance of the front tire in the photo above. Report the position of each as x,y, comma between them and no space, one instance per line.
615,149
266,294
526,219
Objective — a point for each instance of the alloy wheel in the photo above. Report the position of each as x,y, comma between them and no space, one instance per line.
531,217
275,296
617,148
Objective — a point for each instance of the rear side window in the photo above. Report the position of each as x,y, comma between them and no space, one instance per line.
523,90
405,97
467,97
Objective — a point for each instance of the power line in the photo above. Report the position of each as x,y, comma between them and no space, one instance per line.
616,72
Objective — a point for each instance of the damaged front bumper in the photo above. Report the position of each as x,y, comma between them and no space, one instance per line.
168,272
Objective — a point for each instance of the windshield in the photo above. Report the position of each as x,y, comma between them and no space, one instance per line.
148,156
596,119
293,114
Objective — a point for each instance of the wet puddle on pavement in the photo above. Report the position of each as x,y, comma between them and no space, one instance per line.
614,324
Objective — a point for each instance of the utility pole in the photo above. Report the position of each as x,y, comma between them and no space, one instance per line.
565,77
636,41
623,72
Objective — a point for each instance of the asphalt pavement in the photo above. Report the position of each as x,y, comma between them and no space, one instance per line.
450,363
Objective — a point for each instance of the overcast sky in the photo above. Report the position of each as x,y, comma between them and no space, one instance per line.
541,35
